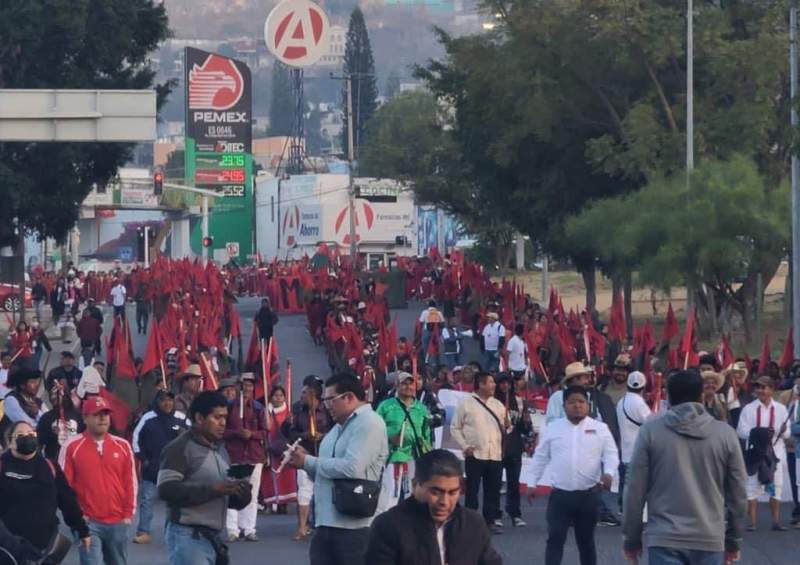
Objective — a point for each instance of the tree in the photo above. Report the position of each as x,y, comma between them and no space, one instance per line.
360,66
69,44
281,105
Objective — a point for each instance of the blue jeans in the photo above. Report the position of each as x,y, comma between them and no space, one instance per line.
187,549
109,545
147,494
452,360
672,556
491,361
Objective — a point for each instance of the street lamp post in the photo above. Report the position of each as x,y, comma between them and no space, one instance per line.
795,182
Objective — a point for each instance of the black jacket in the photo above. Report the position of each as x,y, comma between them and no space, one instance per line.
32,492
602,404
157,431
406,535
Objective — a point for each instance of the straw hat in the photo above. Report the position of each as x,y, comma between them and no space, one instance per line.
718,379
573,370
737,367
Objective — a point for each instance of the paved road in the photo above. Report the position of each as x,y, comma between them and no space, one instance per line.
518,546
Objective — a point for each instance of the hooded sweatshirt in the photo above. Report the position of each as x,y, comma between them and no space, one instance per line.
687,467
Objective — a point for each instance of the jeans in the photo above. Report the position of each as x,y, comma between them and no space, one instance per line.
452,360
491,361
338,546
791,461
579,510
491,474
148,492
622,470
673,556
513,466
187,548
109,545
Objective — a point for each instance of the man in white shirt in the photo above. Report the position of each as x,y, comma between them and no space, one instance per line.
583,459
492,338
478,427
576,374
632,411
764,412
517,352
118,295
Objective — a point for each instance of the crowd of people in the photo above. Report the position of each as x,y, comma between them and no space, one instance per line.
213,430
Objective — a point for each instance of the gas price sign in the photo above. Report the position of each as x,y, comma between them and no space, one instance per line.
225,172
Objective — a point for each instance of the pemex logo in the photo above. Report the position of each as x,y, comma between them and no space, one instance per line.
215,85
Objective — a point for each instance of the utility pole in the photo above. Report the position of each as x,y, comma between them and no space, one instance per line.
350,159
689,88
205,227
795,187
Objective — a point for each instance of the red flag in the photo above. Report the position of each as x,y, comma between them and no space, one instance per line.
724,354
154,352
120,412
121,352
670,326
689,357
788,351
253,351
271,367
765,356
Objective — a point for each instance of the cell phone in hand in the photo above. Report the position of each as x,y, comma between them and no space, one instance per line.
241,471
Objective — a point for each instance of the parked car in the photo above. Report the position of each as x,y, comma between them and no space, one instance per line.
9,297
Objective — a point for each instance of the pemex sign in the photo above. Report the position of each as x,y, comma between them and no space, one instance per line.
297,32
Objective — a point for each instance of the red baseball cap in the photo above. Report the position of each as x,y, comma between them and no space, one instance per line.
94,405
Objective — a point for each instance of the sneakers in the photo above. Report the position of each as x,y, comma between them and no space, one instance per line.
232,537
518,522
610,520
142,539
779,528
498,523
251,537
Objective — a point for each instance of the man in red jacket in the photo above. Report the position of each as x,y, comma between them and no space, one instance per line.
245,437
100,469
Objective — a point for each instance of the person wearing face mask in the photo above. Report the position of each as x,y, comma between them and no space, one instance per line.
33,489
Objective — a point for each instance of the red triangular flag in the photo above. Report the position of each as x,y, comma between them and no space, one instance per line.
154,352
120,412
670,326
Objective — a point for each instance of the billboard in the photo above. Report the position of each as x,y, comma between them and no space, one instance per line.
219,138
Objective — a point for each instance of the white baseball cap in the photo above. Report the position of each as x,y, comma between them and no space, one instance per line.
637,380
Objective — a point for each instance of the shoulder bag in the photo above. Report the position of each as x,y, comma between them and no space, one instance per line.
499,425
357,498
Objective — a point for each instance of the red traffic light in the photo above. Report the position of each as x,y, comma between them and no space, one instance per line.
158,183
208,242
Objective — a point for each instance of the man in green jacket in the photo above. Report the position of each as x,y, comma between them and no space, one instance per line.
409,432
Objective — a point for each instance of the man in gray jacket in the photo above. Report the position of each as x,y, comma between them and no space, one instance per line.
688,468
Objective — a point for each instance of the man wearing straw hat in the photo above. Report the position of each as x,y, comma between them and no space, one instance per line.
189,388
575,374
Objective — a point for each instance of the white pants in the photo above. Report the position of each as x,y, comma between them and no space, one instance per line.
245,519
391,491
305,488
756,490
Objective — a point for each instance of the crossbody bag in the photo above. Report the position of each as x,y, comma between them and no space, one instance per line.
418,448
499,425
357,498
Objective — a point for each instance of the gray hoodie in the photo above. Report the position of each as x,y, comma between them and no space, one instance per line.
687,467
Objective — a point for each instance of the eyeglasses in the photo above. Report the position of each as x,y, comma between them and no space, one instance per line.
330,399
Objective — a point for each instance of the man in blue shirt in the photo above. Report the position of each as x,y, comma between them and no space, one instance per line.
356,448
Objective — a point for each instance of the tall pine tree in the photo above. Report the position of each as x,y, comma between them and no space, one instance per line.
281,106
359,64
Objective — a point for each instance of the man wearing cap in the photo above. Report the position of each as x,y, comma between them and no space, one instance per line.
632,412
154,431
617,386
408,429
583,461
575,374
245,438
100,468
67,372
189,383
768,418
493,337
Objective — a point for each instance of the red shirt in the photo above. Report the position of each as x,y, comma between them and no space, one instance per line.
105,483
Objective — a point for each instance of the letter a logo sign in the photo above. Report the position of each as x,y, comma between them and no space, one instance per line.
297,33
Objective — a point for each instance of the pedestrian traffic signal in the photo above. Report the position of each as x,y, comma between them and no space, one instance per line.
208,241
158,183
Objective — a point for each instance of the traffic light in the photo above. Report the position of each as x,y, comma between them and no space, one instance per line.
158,183
208,241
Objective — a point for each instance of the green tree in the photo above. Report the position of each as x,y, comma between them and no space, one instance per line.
69,44
281,104
359,64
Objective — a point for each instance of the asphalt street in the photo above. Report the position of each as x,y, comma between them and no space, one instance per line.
518,546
